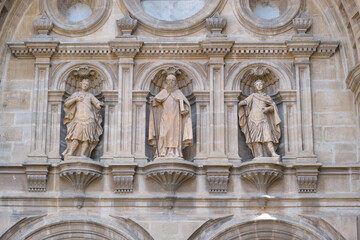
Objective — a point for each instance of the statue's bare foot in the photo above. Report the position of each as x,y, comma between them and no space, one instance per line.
275,155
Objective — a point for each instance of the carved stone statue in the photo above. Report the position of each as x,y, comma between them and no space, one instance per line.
83,121
260,122
170,127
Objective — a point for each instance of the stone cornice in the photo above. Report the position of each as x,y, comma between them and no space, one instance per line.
208,48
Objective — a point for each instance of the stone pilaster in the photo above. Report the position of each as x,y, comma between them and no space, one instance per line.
216,51
42,51
126,51
302,48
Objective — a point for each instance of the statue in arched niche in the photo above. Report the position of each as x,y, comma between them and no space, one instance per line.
83,121
170,127
260,122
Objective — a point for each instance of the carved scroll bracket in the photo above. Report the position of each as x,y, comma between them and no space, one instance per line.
123,176
218,177
36,174
307,177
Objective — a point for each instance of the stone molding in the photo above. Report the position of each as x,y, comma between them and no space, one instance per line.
123,177
262,173
101,10
170,174
217,177
36,175
316,49
307,177
253,23
172,28
353,81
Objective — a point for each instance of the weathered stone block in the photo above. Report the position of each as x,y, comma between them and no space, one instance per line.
333,101
336,118
340,134
11,133
16,100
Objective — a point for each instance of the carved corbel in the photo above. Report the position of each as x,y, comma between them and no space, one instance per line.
217,177
123,176
36,174
307,177
302,23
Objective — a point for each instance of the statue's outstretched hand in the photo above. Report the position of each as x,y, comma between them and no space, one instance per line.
242,103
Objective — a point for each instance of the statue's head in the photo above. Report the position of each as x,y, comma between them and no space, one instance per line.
85,84
259,85
171,81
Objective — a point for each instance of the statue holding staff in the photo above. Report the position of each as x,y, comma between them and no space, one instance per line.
260,122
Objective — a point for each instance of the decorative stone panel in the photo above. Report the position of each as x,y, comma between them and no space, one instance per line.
217,177
307,177
123,176
36,174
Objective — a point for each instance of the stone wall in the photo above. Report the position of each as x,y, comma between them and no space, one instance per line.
310,56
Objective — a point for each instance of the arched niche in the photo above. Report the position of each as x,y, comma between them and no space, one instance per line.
266,226
145,78
148,81
279,84
184,83
76,227
65,80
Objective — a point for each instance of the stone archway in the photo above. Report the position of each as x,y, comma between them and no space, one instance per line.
265,226
76,227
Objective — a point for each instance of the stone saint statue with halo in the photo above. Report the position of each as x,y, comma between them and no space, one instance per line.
260,122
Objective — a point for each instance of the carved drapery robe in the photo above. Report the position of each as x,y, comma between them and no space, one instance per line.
173,128
83,121
263,127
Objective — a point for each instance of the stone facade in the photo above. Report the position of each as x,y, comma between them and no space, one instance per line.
305,51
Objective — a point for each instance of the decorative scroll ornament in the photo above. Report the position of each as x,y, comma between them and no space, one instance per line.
216,24
302,23
126,25
43,25
259,71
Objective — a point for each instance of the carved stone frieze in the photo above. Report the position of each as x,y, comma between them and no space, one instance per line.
80,173
307,177
123,176
36,175
170,173
262,173
217,177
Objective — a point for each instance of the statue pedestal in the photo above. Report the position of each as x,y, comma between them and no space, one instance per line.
170,173
80,173
262,172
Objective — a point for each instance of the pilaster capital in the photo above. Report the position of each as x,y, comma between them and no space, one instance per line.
216,50
301,49
124,48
